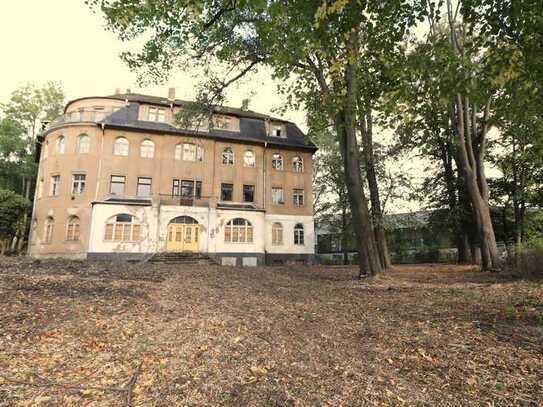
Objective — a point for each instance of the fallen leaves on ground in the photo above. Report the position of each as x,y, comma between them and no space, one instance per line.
74,333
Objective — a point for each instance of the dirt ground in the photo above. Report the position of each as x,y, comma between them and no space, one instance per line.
99,334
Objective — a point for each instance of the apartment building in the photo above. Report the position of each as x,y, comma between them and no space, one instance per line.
121,178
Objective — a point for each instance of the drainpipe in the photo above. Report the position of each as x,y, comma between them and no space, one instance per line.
99,174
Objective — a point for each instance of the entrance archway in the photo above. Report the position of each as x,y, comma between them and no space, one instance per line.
183,235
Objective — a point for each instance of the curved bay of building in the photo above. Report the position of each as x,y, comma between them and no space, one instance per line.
117,180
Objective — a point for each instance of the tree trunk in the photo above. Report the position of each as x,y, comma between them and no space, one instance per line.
345,124
344,235
477,190
366,130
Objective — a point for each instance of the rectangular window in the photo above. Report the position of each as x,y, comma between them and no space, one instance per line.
227,192
55,185
161,117
78,184
117,184
144,186
298,197
222,122
248,193
277,196
198,192
175,187
156,114
187,188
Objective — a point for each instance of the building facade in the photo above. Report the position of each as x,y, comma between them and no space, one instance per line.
120,178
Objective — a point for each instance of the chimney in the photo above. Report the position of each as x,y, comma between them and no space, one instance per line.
245,104
117,91
171,93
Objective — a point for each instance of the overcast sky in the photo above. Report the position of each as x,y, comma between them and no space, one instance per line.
62,40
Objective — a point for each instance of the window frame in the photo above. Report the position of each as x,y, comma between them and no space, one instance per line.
296,194
228,156
298,164
86,137
147,149
223,184
252,154
282,200
119,145
112,182
60,145
299,234
54,189
277,162
73,229
80,183
252,192
49,229
134,228
139,183
245,230
277,234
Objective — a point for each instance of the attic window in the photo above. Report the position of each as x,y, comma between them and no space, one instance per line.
277,131
222,122
156,114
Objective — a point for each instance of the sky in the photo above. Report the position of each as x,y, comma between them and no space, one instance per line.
64,41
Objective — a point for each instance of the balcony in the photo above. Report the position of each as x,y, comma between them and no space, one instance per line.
174,200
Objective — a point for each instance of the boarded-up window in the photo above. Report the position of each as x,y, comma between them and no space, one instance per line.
277,234
123,228
238,231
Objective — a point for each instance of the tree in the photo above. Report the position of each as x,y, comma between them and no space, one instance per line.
29,107
13,207
319,44
329,183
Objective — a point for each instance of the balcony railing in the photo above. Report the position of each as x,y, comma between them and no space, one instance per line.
176,200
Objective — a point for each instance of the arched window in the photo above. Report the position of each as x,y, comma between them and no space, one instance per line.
184,220
228,156
72,228
238,230
61,143
249,159
298,164
299,234
49,228
147,149
83,144
123,228
121,146
277,234
277,162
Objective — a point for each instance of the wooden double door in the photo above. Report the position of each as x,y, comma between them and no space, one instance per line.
183,237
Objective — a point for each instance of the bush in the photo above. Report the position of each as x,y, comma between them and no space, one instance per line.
12,209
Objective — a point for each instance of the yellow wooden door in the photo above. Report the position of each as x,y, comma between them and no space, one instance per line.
182,238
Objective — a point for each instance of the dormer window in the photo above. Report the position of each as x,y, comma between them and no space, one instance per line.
157,114
222,122
277,131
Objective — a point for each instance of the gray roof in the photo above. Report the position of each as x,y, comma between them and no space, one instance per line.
252,124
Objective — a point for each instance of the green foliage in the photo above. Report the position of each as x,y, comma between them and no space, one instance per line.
533,230
12,209
21,119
